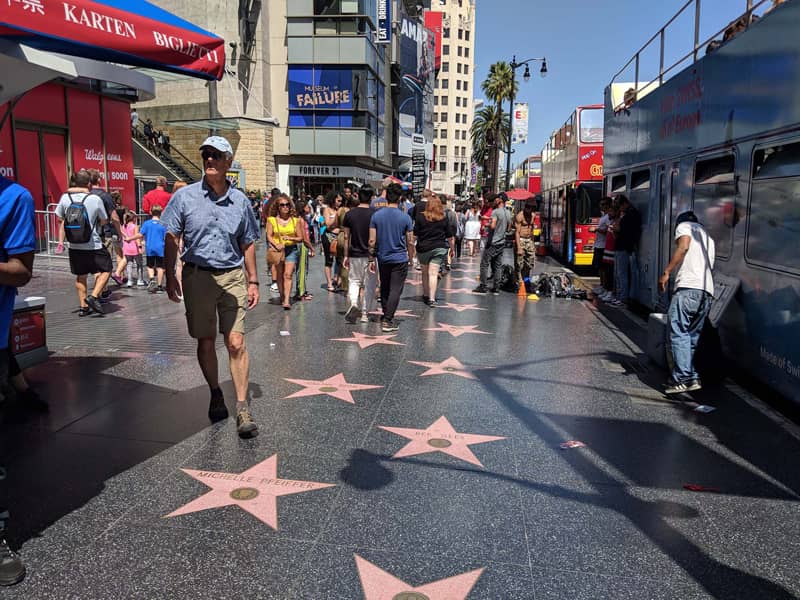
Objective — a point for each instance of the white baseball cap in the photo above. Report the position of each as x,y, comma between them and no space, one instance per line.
219,143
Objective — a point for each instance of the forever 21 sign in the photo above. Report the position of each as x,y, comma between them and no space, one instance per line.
315,171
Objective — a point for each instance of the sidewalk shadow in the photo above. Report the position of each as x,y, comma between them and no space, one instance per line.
98,426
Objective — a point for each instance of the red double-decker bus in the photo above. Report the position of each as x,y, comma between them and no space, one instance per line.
572,185
529,175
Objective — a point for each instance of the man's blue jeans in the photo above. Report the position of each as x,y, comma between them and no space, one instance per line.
626,268
687,313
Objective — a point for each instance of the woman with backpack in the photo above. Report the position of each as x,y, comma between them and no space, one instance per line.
284,236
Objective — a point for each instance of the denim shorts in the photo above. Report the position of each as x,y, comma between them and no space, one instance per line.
292,253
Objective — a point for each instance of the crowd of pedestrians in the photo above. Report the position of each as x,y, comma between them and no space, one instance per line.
198,244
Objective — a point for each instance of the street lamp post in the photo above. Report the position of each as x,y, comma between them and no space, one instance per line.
526,76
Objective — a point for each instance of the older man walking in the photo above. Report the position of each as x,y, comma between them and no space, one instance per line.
219,230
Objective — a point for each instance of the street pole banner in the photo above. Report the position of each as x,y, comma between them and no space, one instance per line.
520,133
384,17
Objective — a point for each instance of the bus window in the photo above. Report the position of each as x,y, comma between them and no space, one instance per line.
619,185
774,215
640,192
714,200
588,204
591,125
640,180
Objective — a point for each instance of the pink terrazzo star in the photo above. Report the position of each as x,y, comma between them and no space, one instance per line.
462,290
380,585
413,282
255,490
460,307
365,341
461,279
440,437
335,387
456,330
399,314
451,366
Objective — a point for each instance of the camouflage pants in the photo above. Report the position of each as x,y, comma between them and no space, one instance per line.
525,260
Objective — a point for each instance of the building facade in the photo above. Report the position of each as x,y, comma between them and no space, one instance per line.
331,94
188,110
348,108
453,97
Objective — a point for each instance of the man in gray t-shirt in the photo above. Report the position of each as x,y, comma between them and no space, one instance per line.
87,257
493,253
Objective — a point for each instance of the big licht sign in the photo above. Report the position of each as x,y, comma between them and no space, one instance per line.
138,34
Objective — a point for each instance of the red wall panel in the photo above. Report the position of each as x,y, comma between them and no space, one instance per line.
44,104
6,148
84,130
119,150
55,167
29,174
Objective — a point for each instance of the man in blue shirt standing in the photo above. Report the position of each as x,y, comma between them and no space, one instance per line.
219,230
391,235
17,245
154,234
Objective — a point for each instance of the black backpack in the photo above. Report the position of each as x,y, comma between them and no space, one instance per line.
77,227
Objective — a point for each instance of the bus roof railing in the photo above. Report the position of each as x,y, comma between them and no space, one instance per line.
632,94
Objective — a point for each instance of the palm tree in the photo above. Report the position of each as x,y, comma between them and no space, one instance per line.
484,132
499,86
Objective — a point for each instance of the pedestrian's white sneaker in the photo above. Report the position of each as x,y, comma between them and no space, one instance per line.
273,287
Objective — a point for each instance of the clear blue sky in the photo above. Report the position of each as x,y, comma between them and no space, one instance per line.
585,41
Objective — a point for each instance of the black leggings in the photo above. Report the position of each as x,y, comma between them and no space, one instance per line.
393,278
326,248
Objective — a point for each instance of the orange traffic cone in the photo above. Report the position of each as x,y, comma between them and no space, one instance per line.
521,291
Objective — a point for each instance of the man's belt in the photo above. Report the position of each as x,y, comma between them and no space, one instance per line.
213,269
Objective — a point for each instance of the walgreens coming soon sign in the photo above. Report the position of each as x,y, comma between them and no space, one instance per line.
147,37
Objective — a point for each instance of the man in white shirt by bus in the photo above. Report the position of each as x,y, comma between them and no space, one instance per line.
691,300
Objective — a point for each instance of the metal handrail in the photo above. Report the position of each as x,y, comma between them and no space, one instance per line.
750,7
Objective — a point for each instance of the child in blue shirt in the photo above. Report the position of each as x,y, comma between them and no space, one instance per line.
154,233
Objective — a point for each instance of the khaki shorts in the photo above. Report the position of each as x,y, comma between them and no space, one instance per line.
208,294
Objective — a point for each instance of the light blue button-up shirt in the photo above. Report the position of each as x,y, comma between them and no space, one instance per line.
214,228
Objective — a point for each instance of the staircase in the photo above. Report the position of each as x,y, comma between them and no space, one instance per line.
185,170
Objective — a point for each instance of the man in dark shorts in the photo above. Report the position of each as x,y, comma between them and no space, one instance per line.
219,278
17,246
89,257
154,233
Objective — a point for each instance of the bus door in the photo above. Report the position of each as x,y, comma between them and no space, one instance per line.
667,201
569,225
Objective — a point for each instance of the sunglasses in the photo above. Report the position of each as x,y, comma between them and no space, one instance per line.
212,154
282,204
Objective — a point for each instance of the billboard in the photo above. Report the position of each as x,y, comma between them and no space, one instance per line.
384,19
320,87
519,134
416,62
433,22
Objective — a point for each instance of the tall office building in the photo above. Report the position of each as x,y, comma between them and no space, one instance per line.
453,97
